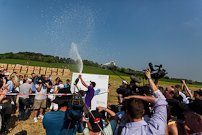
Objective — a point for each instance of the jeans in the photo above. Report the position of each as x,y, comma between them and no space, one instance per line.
24,114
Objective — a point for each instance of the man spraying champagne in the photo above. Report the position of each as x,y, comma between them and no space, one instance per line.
89,92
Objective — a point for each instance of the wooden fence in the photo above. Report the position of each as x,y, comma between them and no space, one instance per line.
35,69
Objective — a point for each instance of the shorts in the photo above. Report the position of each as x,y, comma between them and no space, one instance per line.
39,104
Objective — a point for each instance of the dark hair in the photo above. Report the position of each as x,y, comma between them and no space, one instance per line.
60,81
177,86
57,78
161,89
32,73
25,75
135,108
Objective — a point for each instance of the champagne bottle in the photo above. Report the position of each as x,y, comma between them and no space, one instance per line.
77,80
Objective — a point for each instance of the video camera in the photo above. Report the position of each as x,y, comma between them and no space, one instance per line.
160,72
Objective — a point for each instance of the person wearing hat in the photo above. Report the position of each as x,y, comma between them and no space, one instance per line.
96,120
55,123
120,96
67,84
89,92
24,100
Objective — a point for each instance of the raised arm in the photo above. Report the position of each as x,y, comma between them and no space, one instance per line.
188,90
157,93
151,83
110,112
145,98
84,84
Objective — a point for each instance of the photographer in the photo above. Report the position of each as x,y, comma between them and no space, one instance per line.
40,100
120,96
55,122
108,130
135,110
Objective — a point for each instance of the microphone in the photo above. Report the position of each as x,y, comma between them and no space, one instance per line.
135,79
108,65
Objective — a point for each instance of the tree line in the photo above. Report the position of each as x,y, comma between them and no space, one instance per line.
55,59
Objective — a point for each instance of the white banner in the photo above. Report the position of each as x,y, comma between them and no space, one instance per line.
101,88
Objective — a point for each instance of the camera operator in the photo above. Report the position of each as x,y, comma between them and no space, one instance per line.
40,100
55,122
120,96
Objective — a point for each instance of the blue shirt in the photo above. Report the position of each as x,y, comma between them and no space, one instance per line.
65,85
154,126
10,86
55,124
89,96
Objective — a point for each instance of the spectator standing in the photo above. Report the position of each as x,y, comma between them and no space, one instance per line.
25,78
25,88
40,100
67,84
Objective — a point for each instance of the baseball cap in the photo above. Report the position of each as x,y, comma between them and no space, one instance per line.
93,83
96,121
124,81
60,99
30,80
7,73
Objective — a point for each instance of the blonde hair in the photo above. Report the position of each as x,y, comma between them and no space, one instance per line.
15,80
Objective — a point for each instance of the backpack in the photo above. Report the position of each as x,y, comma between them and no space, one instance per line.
75,108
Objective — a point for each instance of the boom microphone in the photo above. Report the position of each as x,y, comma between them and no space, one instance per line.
132,77
108,65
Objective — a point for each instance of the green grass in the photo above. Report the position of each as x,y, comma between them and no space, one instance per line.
72,67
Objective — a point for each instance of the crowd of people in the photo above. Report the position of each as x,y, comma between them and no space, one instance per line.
150,109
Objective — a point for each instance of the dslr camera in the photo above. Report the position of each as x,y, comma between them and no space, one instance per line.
42,78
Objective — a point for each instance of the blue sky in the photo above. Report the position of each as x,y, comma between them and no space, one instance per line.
130,32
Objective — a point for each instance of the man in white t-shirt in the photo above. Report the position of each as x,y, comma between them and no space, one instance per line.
40,100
